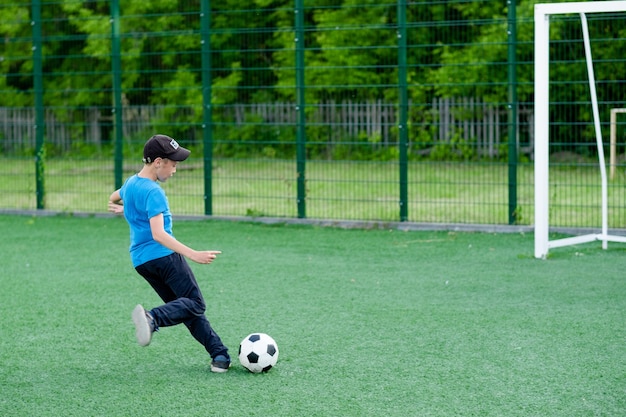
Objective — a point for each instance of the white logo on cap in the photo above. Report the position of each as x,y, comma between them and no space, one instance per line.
174,144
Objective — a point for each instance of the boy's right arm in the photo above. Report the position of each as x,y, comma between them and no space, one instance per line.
115,203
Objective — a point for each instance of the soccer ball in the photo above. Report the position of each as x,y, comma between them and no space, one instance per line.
258,352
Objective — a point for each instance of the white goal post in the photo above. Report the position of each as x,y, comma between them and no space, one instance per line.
542,82
613,140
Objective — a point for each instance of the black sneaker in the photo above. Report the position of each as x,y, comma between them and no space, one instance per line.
220,364
144,325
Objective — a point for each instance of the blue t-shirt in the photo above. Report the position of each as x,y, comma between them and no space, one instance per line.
143,199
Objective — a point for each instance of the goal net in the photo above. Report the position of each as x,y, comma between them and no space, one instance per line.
543,13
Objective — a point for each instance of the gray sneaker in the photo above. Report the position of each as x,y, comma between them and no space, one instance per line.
144,325
220,364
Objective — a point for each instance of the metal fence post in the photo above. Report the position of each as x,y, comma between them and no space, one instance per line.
40,152
512,110
207,108
116,63
300,105
403,131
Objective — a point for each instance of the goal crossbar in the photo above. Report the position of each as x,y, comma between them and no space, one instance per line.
543,12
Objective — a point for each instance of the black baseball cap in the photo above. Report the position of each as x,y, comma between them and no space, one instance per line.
162,146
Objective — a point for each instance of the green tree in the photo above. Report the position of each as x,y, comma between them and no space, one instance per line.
350,50
16,64
455,49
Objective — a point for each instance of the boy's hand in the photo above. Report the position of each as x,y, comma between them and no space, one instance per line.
116,208
204,257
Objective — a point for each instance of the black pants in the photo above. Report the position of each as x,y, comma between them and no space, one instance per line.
173,280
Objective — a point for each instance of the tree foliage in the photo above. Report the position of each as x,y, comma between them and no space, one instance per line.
455,49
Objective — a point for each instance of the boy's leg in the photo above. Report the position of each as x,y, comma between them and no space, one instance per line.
201,330
173,280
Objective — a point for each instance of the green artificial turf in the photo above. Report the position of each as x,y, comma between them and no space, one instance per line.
368,322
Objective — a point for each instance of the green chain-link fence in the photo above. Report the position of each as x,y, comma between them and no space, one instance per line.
347,110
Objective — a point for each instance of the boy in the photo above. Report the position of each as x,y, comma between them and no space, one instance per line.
159,258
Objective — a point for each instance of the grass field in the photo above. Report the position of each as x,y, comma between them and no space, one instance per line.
369,323
438,192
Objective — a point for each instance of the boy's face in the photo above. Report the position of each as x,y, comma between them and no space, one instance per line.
165,168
